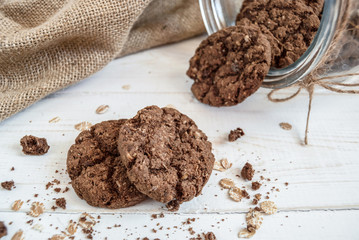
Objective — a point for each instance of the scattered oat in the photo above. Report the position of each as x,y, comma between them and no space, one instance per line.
72,228
102,109
285,126
83,126
225,164
54,120
218,167
126,87
17,205
268,207
226,183
36,209
38,227
86,221
19,235
58,237
254,220
235,193
244,233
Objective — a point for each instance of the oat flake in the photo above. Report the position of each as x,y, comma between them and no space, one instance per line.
236,194
72,228
126,87
83,126
55,120
268,207
17,205
244,233
225,164
36,209
86,221
38,227
285,126
19,235
254,220
226,183
102,109
57,237
218,167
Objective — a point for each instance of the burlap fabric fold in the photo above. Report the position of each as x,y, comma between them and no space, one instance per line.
48,45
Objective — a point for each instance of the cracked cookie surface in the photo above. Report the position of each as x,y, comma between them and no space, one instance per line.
230,65
167,157
98,176
290,26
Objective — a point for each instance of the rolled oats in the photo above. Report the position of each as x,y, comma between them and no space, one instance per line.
17,205
236,194
36,209
225,164
244,233
226,183
83,126
102,109
218,167
268,207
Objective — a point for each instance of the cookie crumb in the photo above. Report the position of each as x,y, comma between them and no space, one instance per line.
285,126
209,236
61,202
173,206
3,230
247,171
8,185
235,134
256,185
32,145
17,205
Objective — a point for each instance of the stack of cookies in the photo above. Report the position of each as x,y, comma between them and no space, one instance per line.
160,153
232,63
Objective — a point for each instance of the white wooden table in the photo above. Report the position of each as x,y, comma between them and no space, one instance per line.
321,201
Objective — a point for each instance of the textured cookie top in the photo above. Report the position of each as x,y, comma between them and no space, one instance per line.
98,176
230,65
167,157
289,26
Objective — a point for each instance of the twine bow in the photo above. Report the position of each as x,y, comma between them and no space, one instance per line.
309,83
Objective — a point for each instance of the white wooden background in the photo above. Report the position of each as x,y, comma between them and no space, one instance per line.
322,199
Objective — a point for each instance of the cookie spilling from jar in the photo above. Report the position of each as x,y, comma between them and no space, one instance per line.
160,153
231,64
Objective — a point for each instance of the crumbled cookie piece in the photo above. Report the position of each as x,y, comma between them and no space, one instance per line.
8,185
32,145
226,183
285,126
3,230
256,198
256,185
247,171
173,206
209,236
61,202
36,209
17,205
235,194
268,207
230,65
235,134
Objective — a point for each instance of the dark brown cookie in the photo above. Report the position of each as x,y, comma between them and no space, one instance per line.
98,176
167,157
32,145
289,25
230,65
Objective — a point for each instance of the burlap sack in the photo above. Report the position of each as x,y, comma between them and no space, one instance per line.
46,45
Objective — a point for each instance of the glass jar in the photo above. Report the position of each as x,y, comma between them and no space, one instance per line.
326,48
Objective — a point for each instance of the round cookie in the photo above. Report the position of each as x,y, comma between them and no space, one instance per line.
230,65
292,23
167,157
97,173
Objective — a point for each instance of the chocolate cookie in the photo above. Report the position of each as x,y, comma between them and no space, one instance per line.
289,26
97,173
230,65
167,157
